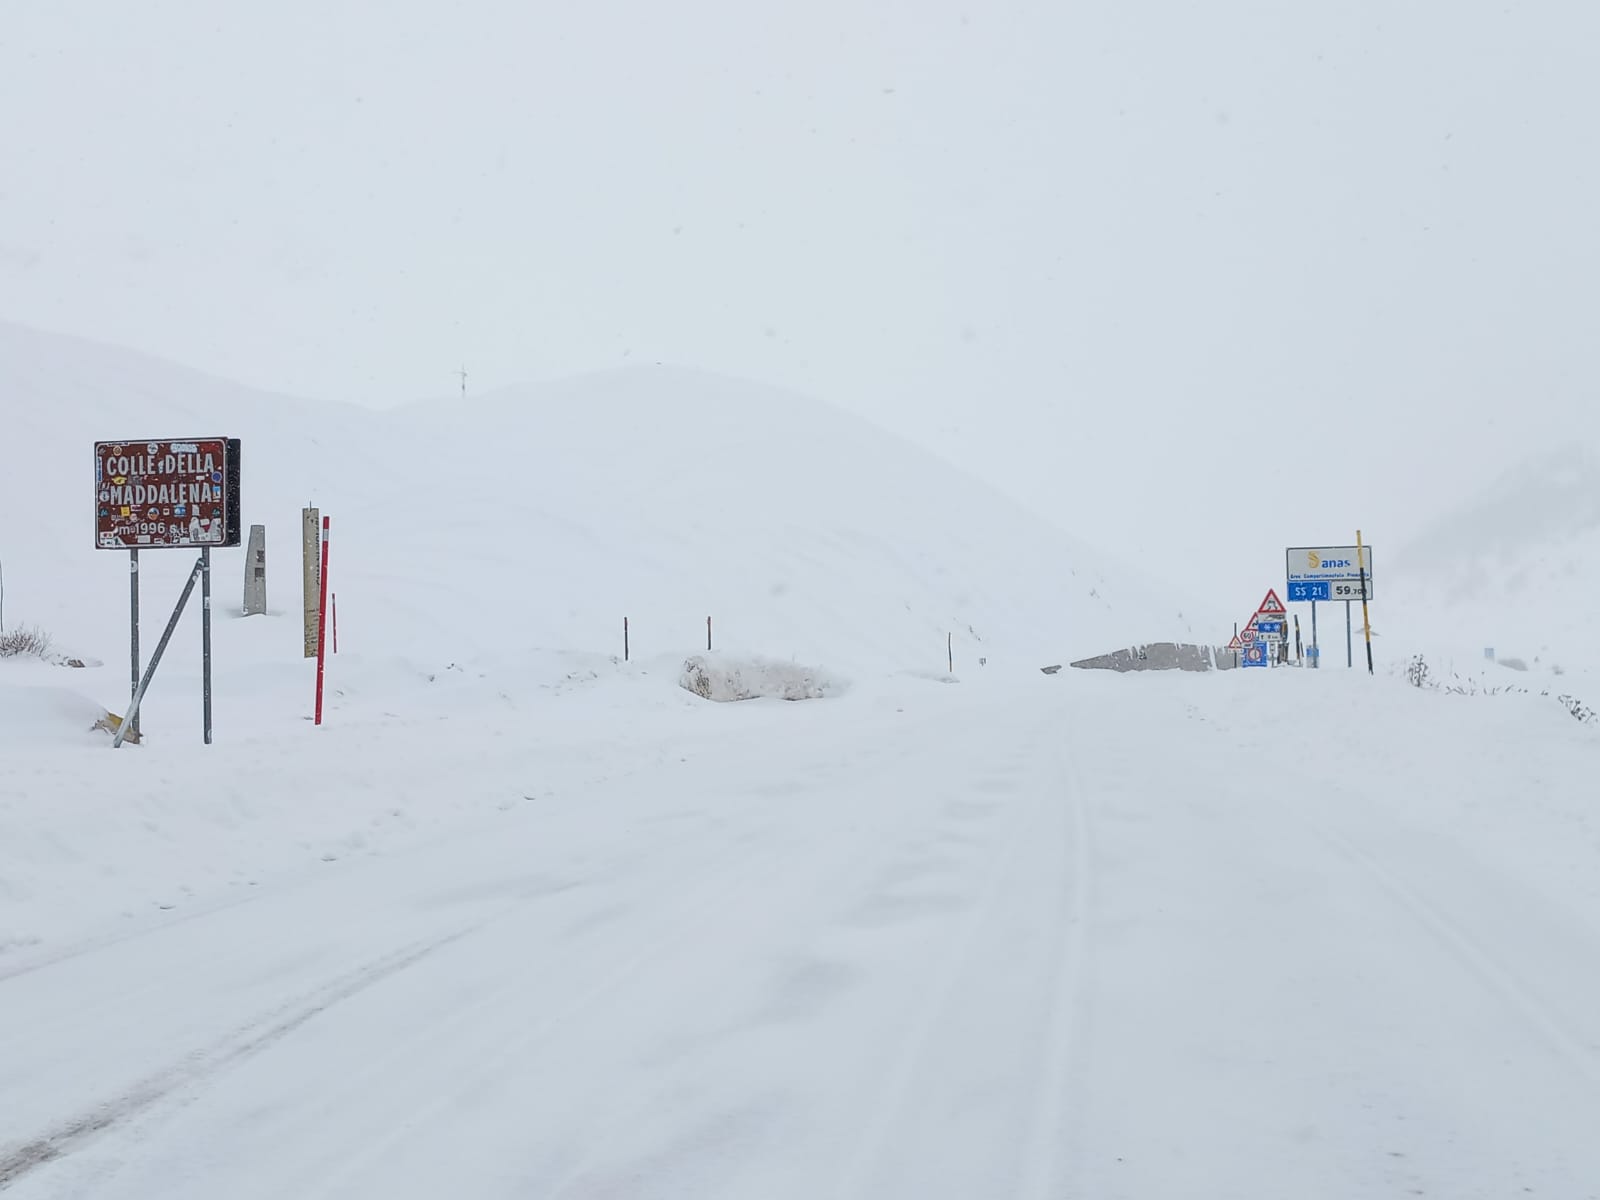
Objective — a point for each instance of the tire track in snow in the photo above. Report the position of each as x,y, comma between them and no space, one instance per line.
806,891
893,1098
68,1137
1470,954
1057,1105
674,924
194,910
198,1066
784,851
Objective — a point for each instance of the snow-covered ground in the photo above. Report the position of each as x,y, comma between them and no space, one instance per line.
527,920
1091,935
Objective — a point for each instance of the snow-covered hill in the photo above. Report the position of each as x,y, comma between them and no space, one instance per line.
1514,568
539,518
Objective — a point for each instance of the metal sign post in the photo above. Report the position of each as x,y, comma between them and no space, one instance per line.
167,495
133,637
205,640
155,659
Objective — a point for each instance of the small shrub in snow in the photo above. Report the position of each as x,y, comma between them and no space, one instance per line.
1578,709
29,640
1516,664
1419,676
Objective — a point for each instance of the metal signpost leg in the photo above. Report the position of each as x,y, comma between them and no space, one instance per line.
205,636
133,641
1349,650
1316,659
155,659
1366,616
172,494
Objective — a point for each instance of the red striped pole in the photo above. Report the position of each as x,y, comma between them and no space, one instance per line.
322,621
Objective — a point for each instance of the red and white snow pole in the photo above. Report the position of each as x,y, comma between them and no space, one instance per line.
322,621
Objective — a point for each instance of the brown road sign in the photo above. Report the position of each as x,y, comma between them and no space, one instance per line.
173,494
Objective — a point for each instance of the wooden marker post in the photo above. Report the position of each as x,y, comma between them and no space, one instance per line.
1366,618
310,556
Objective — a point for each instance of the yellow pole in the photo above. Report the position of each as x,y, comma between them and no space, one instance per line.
1366,620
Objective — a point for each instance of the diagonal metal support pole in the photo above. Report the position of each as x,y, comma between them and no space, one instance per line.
155,659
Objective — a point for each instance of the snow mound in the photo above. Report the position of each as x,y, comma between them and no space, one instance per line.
39,715
728,678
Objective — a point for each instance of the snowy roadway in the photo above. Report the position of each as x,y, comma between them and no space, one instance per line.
1114,937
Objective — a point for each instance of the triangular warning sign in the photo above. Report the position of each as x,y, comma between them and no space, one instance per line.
1251,623
1236,643
1272,604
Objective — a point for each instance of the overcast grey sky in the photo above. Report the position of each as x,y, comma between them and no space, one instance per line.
1196,280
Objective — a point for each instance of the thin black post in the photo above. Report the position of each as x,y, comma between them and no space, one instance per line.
133,641
1316,659
1236,642
155,659
708,634
1349,646
1366,623
205,635
624,639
